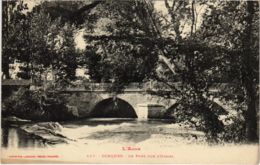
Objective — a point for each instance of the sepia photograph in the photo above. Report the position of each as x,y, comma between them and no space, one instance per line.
130,81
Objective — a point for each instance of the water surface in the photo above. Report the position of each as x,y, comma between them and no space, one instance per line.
86,131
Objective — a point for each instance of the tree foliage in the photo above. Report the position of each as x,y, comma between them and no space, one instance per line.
238,32
114,53
224,48
13,25
39,43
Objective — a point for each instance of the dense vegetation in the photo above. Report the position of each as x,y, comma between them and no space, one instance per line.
196,43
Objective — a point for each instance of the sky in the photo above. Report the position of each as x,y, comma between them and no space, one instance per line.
79,40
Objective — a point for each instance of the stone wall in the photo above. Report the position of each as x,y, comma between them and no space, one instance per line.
86,101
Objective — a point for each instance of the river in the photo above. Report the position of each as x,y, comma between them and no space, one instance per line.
85,131
102,140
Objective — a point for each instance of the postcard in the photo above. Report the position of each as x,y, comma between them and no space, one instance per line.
130,81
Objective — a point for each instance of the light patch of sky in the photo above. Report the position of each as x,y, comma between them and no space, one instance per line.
14,69
160,6
79,40
185,27
31,4
81,72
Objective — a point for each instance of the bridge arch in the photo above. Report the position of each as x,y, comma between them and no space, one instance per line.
216,107
113,108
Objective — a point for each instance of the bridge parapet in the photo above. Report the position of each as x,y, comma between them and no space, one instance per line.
105,87
102,87
134,87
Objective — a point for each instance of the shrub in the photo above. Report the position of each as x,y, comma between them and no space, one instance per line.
37,105
200,114
234,131
22,103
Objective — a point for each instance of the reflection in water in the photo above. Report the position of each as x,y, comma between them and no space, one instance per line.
4,133
13,138
16,138
9,137
25,140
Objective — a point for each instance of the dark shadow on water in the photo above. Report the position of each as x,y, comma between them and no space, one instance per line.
97,121
5,132
26,140
17,138
109,121
121,136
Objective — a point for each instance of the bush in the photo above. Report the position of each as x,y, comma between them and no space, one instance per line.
200,114
234,131
37,105
23,104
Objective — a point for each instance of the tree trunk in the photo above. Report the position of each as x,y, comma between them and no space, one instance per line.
251,116
248,76
5,70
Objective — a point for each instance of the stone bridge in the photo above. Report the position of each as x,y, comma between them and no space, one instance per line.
97,100
134,101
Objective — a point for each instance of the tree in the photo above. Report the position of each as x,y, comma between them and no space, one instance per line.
49,46
187,59
65,63
236,28
220,48
72,12
13,25
250,73
37,51
118,51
